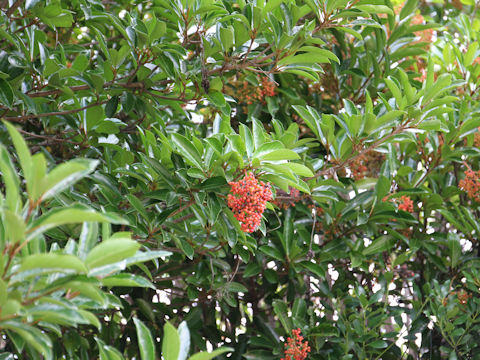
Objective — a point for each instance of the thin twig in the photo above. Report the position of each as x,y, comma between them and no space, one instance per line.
361,152
14,7
58,113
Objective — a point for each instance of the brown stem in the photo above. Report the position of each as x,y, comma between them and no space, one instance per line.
9,261
183,218
31,23
128,85
48,138
361,152
58,113
184,207
167,97
14,7
360,89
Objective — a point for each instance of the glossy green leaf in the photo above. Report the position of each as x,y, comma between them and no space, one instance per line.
72,215
170,342
184,334
126,280
11,181
14,226
22,152
455,249
107,352
109,252
145,341
3,292
281,311
33,336
187,150
383,243
6,93
299,169
58,262
375,9
65,175
211,355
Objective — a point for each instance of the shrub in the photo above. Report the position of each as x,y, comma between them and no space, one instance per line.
361,118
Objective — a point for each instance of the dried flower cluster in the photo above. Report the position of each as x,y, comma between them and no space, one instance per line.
476,138
366,165
248,199
296,348
463,296
250,94
471,184
285,200
358,167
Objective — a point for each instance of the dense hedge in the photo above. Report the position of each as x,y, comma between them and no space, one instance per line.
225,172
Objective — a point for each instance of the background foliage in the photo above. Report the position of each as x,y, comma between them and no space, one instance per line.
363,115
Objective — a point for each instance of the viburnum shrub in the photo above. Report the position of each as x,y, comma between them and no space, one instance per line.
471,184
248,199
349,102
295,347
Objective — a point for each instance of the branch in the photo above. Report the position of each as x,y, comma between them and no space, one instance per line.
242,66
48,138
361,152
184,207
14,7
166,97
60,91
59,113
360,89
127,85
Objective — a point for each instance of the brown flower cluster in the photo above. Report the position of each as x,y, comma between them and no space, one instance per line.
247,93
424,35
471,184
366,165
463,296
476,138
285,200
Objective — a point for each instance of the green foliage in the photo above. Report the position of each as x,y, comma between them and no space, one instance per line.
126,121
42,284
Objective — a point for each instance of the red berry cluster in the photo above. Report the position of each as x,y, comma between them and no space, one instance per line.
471,184
296,348
405,204
248,200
